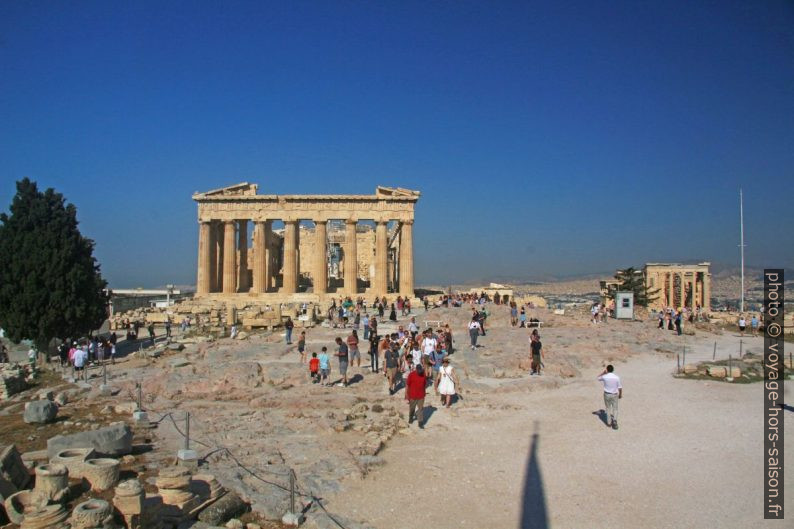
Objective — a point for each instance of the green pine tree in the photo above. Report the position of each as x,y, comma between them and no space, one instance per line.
50,284
632,280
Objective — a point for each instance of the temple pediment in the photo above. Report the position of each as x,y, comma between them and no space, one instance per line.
391,192
241,189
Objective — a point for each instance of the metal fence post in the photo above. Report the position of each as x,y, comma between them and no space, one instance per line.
187,430
292,491
714,355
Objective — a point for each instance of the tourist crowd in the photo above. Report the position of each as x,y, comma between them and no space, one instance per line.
410,361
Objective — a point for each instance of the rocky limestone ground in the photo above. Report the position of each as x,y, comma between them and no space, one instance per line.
514,451
535,452
251,401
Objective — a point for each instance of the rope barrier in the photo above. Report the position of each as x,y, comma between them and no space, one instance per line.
226,451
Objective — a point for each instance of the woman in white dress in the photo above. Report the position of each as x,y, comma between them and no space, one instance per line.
446,382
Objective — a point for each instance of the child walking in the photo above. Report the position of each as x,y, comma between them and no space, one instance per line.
314,368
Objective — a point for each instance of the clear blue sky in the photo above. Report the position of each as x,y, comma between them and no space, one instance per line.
546,137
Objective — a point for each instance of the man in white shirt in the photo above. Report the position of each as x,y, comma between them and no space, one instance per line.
613,390
80,357
413,328
429,344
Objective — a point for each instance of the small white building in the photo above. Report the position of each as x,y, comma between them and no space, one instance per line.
624,305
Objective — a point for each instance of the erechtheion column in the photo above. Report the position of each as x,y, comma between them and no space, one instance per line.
692,288
229,258
706,291
260,255
205,265
670,289
407,258
242,265
682,290
660,284
320,258
290,274
380,285
351,257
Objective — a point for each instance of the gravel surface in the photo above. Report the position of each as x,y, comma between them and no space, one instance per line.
688,453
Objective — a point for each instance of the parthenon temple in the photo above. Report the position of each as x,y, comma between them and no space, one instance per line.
305,247
679,285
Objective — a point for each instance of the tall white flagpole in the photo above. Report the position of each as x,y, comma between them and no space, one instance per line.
741,245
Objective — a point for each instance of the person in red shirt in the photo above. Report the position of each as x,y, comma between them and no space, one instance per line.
415,386
314,368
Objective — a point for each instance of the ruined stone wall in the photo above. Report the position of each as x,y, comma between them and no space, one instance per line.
365,248
366,251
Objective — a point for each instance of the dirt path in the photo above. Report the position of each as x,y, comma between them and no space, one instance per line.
688,454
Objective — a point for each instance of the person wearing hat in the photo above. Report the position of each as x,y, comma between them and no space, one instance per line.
447,382
415,395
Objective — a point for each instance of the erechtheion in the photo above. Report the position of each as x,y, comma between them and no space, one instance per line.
358,244
679,285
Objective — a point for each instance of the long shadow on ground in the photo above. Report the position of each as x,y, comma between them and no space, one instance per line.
602,415
533,508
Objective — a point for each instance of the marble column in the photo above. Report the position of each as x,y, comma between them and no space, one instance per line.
269,258
682,289
670,289
695,302
229,258
204,264
407,258
242,248
698,290
658,285
260,281
218,277
351,258
213,270
380,286
320,274
290,282
706,292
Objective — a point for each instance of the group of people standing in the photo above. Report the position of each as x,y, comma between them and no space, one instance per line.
755,324
600,312
409,360
96,349
416,361
518,318
671,319
346,311
79,355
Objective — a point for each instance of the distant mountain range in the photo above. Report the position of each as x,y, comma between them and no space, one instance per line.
718,270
